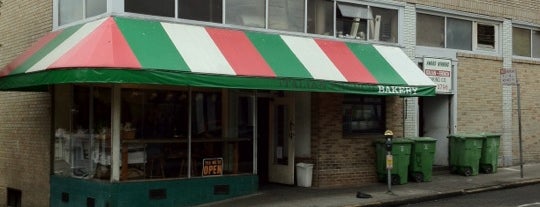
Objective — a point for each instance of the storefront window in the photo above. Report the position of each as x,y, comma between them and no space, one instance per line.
155,138
363,115
83,137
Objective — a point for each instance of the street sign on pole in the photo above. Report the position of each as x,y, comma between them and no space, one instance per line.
508,76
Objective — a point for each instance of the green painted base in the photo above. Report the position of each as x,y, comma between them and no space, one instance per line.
67,191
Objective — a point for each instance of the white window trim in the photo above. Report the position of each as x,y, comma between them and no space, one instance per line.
475,37
531,28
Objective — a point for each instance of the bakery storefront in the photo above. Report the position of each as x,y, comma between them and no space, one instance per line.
150,113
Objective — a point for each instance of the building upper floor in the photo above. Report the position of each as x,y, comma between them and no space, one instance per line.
429,24
358,20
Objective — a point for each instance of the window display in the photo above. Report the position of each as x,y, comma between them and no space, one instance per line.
156,133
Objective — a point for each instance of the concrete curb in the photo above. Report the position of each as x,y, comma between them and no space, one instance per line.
450,194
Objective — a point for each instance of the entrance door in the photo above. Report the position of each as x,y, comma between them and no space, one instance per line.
436,124
281,141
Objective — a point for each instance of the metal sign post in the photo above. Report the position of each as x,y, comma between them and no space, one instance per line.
509,78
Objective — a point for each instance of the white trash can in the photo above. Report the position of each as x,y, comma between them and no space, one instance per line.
304,174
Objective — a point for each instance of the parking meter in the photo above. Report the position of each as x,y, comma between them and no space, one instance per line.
388,144
388,135
389,159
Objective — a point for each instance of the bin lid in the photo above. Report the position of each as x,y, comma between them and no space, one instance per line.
395,141
490,135
422,139
466,136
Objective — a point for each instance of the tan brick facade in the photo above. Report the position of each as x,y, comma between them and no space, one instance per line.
21,24
479,94
528,73
523,10
25,120
25,140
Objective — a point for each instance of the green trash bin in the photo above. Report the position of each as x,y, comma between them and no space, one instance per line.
401,151
490,153
422,156
465,152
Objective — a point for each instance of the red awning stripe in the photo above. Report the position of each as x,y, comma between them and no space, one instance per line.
241,54
103,47
346,62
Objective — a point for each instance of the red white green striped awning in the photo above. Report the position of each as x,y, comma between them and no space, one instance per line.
123,50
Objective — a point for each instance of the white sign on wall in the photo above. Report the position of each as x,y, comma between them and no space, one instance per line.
440,72
508,76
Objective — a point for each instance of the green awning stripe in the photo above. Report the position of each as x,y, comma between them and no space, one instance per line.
376,64
46,49
168,77
278,55
151,44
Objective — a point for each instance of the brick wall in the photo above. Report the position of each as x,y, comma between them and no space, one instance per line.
479,94
22,22
25,120
523,10
345,161
528,74
25,140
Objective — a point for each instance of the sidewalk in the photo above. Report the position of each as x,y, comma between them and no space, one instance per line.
443,185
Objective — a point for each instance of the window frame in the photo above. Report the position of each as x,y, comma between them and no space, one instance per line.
360,102
531,42
479,47
475,21
56,13
369,19
118,6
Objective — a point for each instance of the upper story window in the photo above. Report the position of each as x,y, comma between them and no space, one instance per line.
454,33
353,21
286,15
201,10
75,10
324,17
248,13
366,22
526,42
320,17
158,8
